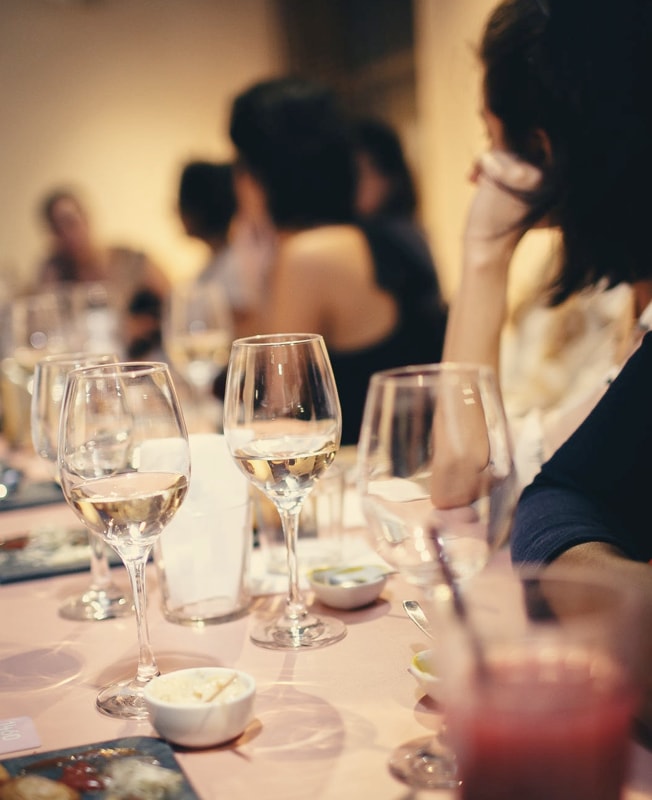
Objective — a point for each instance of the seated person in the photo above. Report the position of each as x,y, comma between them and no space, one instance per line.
76,256
589,505
592,494
385,188
376,305
207,207
536,174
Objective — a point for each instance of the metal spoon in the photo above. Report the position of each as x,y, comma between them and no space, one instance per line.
417,615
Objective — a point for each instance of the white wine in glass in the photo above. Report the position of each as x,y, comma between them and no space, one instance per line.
124,464
435,472
282,422
103,599
197,335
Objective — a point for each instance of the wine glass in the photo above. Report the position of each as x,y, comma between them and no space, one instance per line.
124,463
36,325
103,599
41,324
197,335
435,470
282,422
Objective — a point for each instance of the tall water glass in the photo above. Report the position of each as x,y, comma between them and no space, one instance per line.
282,422
435,472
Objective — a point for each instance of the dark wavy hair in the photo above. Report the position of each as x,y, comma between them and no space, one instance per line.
383,147
206,198
580,71
291,134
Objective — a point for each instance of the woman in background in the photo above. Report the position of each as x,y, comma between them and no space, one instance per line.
386,194
385,186
240,256
76,256
357,284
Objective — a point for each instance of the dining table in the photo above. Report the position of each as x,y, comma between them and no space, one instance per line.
325,720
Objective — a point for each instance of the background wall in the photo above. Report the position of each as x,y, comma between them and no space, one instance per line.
114,96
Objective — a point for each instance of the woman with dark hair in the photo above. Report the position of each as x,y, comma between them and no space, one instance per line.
559,156
385,186
567,90
207,201
376,305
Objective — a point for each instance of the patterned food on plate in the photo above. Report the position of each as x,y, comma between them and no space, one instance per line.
123,769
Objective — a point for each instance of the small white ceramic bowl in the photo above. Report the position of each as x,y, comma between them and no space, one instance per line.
423,668
202,706
348,587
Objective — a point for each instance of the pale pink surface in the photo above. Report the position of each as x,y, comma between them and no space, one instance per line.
325,721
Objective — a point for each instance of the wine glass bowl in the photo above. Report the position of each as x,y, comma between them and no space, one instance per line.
435,476
197,334
103,599
435,458
124,464
35,326
282,423
39,325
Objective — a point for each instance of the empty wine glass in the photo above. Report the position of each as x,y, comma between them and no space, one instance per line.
103,599
35,326
282,422
124,463
435,466
41,324
197,334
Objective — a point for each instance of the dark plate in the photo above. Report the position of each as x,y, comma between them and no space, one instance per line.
29,494
99,756
46,551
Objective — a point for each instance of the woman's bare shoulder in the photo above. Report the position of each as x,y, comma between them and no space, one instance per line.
328,248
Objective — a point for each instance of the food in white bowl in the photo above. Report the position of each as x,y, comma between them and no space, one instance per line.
348,587
201,706
423,668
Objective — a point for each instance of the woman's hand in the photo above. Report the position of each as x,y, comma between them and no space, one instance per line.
498,208
493,229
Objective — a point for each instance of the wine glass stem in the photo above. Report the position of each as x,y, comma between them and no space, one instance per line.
147,668
100,572
294,605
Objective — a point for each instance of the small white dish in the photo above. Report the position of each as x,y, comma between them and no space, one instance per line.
201,706
423,668
348,587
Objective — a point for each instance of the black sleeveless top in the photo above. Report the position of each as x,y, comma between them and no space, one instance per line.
403,268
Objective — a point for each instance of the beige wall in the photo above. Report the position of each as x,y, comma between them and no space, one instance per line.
113,96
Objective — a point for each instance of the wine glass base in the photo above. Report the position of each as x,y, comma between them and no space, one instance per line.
425,764
97,604
313,632
123,699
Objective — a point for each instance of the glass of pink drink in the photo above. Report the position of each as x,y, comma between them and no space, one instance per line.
547,713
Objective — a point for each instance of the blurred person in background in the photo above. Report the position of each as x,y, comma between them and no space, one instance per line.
385,186
386,193
207,207
76,256
357,284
